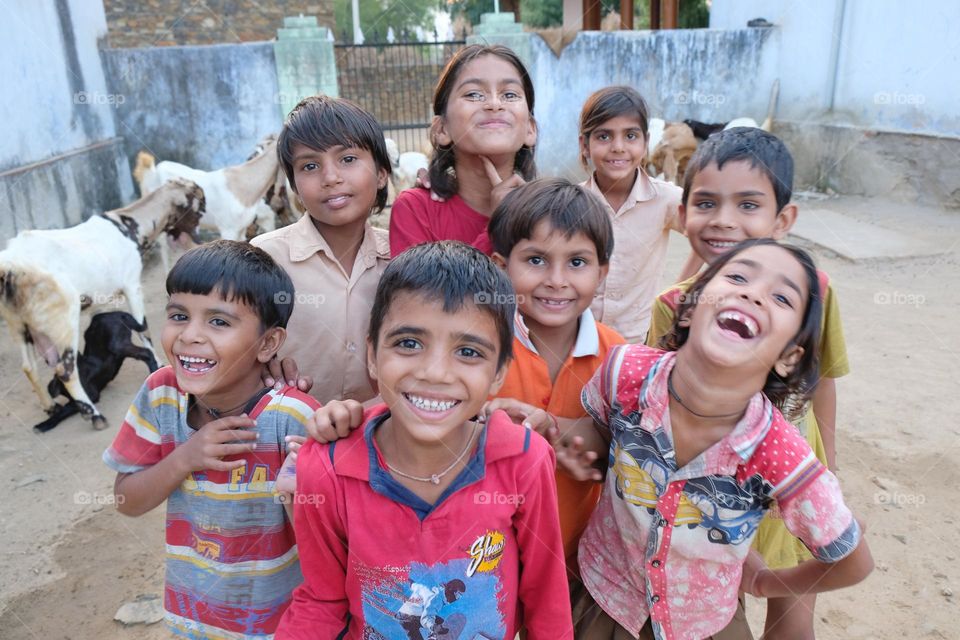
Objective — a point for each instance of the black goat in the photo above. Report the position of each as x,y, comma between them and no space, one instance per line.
107,343
703,130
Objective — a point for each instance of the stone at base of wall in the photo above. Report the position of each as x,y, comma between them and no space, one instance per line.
856,161
65,190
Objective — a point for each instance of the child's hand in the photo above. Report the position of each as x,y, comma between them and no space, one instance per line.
501,187
216,440
286,482
276,371
526,414
573,458
423,181
753,568
335,420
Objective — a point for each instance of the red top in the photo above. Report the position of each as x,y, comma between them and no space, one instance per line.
415,218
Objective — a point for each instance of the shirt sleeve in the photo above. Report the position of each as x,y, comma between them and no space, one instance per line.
137,444
673,197
409,224
661,321
543,590
833,347
483,243
319,609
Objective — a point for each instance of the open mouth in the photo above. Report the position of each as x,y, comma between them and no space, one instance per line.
722,245
337,201
193,364
738,323
555,303
430,404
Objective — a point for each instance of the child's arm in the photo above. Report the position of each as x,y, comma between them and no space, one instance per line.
320,608
690,267
542,586
825,411
137,493
335,420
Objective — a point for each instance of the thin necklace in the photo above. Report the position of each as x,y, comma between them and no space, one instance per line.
673,394
435,478
217,413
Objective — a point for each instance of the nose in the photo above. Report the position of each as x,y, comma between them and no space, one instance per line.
617,143
494,102
725,217
556,276
434,367
331,174
750,296
191,333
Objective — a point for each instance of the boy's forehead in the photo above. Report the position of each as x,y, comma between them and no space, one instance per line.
421,311
559,240
214,300
741,174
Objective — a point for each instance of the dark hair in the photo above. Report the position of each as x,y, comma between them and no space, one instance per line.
322,122
456,274
790,393
764,151
609,103
237,271
568,207
443,181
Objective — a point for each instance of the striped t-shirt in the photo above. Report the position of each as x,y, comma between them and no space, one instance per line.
231,561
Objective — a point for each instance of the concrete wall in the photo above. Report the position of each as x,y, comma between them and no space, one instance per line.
58,131
705,74
204,106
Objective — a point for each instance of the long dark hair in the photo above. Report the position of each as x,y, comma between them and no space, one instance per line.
791,392
443,180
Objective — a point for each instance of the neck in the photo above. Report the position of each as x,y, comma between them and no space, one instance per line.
710,391
250,180
147,213
419,458
344,240
556,341
473,185
229,402
617,190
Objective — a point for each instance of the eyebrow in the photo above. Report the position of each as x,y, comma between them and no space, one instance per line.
756,265
460,337
481,81
739,194
212,311
313,153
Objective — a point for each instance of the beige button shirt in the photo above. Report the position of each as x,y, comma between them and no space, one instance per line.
327,332
641,230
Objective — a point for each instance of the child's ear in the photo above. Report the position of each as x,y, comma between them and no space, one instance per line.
788,360
531,138
499,378
382,177
499,260
682,215
604,270
438,133
371,359
270,343
784,222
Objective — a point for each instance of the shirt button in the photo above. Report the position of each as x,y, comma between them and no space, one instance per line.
655,599
655,563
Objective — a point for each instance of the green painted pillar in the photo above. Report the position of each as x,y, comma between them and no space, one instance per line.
306,64
502,28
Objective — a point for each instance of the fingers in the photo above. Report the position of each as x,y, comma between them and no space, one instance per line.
273,371
577,462
491,170
224,465
294,443
290,371
335,421
423,178
540,421
305,383
505,187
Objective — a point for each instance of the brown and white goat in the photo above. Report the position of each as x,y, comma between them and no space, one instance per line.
46,276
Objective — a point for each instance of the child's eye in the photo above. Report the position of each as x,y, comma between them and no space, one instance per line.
512,96
536,261
603,137
474,95
736,277
749,206
469,352
177,317
782,299
578,262
632,136
310,166
407,343
704,204
348,159
219,322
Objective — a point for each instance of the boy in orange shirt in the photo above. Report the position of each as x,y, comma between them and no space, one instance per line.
554,239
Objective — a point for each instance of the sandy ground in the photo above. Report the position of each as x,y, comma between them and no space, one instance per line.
69,560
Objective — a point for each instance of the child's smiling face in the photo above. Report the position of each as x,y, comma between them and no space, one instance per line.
749,314
726,206
435,368
617,149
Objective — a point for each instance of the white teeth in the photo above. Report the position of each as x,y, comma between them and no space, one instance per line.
554,303
745,320
193,359
425,404
721,245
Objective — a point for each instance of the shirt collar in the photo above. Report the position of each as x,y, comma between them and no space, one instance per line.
306,241
746,435
643,190
588,337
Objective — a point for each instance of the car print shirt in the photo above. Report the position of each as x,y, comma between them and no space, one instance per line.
669,543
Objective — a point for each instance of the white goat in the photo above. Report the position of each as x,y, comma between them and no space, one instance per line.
277,197
234,194
46,276
405,166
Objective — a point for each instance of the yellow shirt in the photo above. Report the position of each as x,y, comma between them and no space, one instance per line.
327,332
641,229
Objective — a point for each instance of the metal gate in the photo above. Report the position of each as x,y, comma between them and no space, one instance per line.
394,81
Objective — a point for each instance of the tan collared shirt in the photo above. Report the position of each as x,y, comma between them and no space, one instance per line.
327,332
641,230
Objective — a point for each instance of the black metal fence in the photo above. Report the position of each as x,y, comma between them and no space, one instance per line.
394,81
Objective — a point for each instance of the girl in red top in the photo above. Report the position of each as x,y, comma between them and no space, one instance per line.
483,135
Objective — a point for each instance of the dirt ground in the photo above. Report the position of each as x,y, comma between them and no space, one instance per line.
69,560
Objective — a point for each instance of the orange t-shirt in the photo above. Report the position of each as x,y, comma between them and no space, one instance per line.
528,380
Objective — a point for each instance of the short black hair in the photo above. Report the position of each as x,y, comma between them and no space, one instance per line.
322,122
763,150
238,271
609,103
568,207
791,393
456,274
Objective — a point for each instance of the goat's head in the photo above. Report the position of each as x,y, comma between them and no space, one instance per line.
189,204
264,144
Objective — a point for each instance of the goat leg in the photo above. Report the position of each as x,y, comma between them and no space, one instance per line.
69,376
30,369
60,413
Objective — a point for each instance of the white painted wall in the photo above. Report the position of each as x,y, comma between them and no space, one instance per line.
877,64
